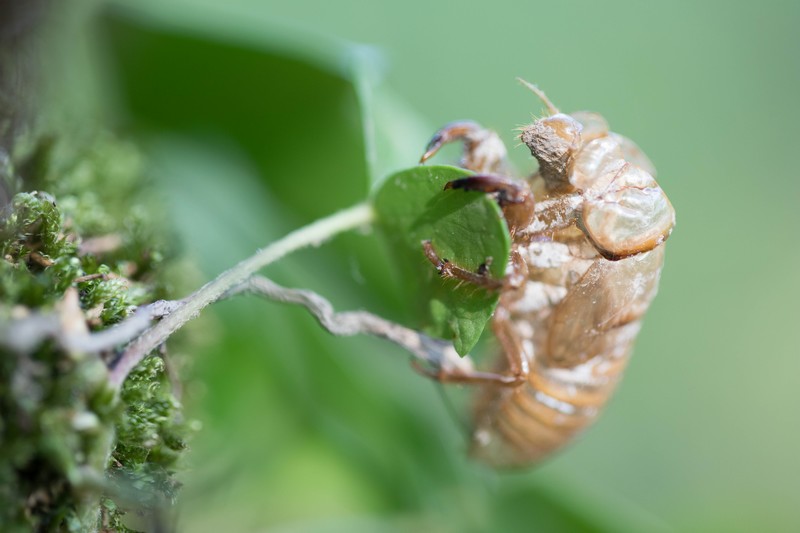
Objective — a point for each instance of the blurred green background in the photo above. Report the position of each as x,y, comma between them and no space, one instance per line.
262,116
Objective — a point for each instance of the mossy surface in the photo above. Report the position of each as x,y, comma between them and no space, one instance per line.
76,455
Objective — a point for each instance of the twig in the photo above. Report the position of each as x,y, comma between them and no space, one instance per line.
312,235
24,334
66,325
161,308
111,337
437,353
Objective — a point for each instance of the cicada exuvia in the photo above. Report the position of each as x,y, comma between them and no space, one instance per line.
588,232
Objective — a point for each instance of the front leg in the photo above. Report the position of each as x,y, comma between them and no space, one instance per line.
513,279
513,349
516,200
484,152
448,269
471,377
515,197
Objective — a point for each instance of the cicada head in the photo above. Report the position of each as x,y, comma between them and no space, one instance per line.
554,141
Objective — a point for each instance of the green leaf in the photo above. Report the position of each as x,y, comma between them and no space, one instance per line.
467,228
288,106
294,116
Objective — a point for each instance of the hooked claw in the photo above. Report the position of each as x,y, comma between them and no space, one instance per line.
454,131
483,150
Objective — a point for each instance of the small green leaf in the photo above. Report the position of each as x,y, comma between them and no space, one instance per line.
467,228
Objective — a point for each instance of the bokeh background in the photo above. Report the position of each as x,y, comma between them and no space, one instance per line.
262,116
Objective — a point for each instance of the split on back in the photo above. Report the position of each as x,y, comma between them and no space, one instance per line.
587,231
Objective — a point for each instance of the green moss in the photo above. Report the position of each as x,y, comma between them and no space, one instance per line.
74,454
151,436
58,423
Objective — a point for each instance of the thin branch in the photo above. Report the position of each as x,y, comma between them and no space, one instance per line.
111,337
437,353
312,235
23,335
66,325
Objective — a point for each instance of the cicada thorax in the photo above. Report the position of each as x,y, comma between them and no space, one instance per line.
593,258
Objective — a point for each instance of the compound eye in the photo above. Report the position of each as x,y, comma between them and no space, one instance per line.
626,214
597,158
594,125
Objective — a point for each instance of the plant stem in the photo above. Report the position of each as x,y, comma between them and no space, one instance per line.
312,235
438,354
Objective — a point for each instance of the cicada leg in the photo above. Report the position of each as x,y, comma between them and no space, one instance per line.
514,196
474,377
483,149
448,269
518,365
511,344
480,278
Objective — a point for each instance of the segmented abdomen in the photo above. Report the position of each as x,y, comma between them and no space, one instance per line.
575,321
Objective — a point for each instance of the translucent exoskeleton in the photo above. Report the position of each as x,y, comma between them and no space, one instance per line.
588,232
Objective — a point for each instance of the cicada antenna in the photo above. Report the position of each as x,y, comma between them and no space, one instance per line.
543,97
